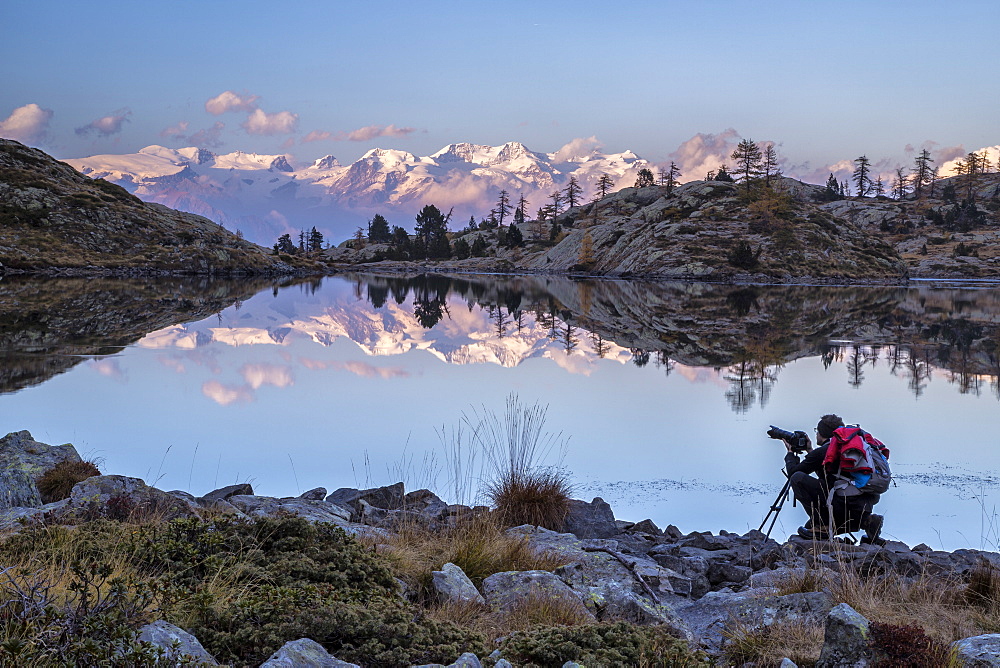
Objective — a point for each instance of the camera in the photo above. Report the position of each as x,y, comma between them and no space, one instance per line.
798,439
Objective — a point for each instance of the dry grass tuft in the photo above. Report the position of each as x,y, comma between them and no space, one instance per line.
57,483
540,610
478,546
539,497
768,645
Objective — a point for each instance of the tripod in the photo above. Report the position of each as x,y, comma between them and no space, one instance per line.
779,501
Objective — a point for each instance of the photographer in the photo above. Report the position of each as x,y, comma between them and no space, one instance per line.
851,511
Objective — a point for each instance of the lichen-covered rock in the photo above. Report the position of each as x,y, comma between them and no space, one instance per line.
22,461
709,615
122,497
453,585
304,653
317,494
314,511
180,647
845,642
503,591
389,497
979,651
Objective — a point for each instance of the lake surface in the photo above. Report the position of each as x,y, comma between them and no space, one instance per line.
661,392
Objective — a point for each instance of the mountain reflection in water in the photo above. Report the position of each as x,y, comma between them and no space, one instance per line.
665,389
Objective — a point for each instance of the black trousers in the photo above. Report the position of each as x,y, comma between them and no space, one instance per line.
848,511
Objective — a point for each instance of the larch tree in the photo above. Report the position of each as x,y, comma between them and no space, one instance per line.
923,173
769,164
673,173
901,184
604,186
862,175
748,161
572,191
503,207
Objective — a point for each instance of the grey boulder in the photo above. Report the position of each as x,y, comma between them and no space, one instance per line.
454,586
979,651
509,589
845,642
23,460
304,653
180,647
590,520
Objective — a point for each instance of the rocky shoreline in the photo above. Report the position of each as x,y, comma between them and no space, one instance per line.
693,585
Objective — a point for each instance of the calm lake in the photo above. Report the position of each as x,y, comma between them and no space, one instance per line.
663,392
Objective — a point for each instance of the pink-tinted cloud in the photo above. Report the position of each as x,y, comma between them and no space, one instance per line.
26,124
279,123
172,363
578,148
230,101
257,375
110,369
373,131
106,125
208,137
227,394
178,131
357,368
317,135
705,153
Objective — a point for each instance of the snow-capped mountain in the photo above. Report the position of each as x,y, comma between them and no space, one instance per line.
267,195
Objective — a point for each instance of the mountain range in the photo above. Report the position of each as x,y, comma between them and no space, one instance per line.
264,196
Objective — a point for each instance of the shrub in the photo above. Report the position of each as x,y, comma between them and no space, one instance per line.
743,255
57,483
906,646
95,624
616,644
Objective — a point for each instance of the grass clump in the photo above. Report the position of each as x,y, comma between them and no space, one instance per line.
618,644
768,645
519,485
57,483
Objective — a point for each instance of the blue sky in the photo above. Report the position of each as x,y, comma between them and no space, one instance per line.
827,81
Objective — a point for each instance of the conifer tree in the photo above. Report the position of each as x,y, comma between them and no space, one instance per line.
923,173
432,230
748,161
862,179
604,186
285,245
586,256
503,207
769,164
572,191
316,240
672,175
644,179
901,184
522,207
378,230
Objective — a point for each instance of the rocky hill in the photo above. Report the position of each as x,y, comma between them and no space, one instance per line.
720,231
53,218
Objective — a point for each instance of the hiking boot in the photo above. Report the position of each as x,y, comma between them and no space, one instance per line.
813,533
872,526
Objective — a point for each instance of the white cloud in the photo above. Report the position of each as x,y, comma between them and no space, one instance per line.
578,148
280,123
26,124
705,153
106,125
230,101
